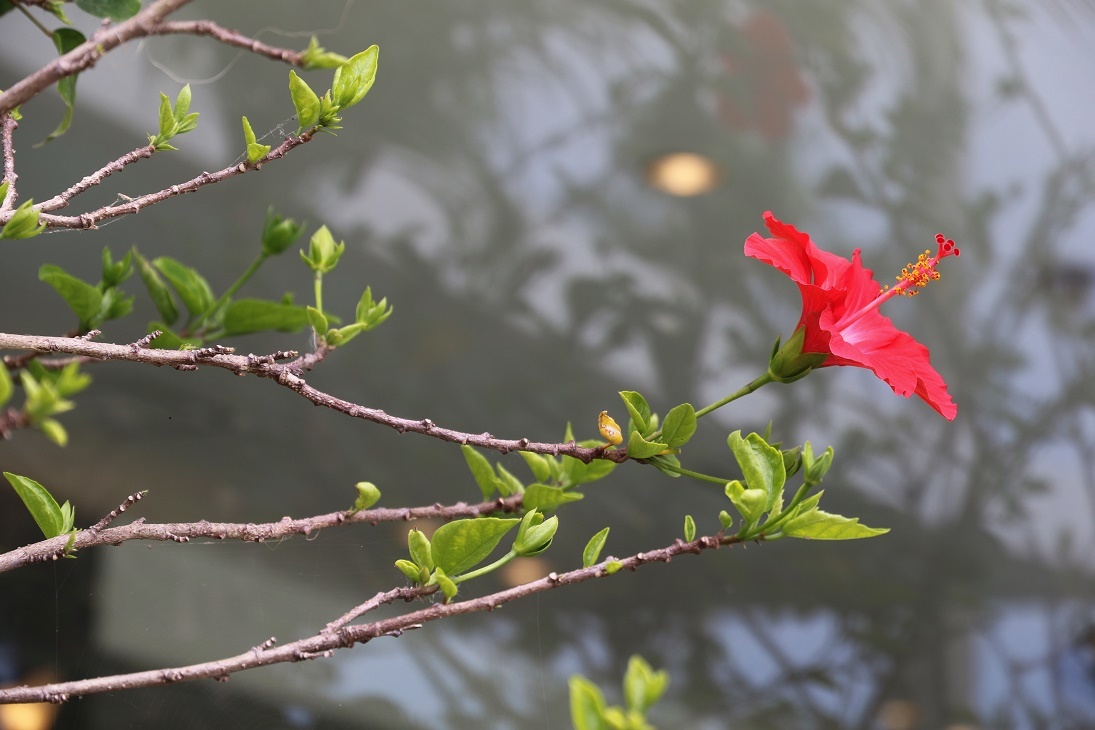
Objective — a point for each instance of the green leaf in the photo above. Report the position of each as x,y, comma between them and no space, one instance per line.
316,56
593,548
54,7
587,705
169,340
68,517
186,124
4,185
640,448
816,468
639,410
244,316
305,102
445,583
546,498
482,471
65,39
665,463
323,253
750,502
411,570
182,106
461,545
52,429
167,119
612,567
113,9
420,549
513,484
371,313
6,387
354,79
761,464
83,298
642,685
679,425
367,496
191,286
40,503
157,291
23,223
689,528
536,539
818,525
115,273
278,233
255,151
538,464
575,471
69,380
792,461
806,505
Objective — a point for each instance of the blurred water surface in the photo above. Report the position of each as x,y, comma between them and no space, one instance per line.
493,186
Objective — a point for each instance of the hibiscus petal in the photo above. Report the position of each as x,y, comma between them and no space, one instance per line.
894,356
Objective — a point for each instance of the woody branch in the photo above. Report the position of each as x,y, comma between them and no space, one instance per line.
324,643
289,374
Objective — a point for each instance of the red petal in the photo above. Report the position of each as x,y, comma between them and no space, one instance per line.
894,356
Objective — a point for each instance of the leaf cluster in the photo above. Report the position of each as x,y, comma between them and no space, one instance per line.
456,548
642,688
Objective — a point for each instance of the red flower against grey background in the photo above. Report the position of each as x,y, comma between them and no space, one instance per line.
840,310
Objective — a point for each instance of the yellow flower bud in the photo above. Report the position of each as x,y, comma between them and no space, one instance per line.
609,429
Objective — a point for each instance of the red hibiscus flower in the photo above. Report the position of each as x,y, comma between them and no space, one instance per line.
840,312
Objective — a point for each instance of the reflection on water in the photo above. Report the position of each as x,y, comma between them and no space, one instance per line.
493,189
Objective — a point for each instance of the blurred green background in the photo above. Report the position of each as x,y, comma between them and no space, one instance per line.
499,185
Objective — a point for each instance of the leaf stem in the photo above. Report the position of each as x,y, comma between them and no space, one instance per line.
240,281
800,494
485,569
694,474
34,20
746,390
319,292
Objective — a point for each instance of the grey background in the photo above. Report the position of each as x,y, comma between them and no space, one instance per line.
491,186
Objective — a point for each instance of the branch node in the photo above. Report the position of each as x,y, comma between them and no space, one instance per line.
90,335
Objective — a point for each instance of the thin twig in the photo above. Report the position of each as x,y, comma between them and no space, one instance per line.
54,548
113,514
324,644
85,55
228,37
135,205
288,375
63,199
380,599
7,149
12,419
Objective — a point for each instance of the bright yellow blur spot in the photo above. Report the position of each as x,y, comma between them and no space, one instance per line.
683,174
